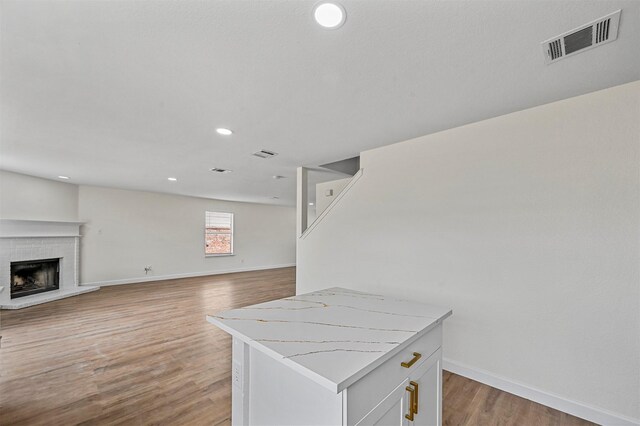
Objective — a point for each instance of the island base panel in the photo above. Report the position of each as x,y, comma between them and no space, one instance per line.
274,394
267,392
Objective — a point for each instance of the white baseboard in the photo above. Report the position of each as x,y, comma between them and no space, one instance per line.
186,275
578,409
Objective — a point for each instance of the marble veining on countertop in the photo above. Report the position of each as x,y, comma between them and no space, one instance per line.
333,335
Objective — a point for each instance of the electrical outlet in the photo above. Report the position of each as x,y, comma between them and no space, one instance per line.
236,374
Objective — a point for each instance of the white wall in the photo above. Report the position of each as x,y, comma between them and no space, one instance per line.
323,200
527,225
31,198
128,230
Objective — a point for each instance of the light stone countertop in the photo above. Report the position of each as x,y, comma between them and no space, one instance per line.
333,336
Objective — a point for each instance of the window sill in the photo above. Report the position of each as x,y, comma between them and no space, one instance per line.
219,255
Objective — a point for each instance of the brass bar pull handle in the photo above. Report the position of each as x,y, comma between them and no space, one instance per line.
412,403
416,357
415,406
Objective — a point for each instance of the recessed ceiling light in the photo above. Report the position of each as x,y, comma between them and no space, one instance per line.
275,198
172,179
311,204
223,131
219,170
329,15
278,177
63,177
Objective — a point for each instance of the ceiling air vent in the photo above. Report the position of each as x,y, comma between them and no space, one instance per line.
217,170
263,153
585,37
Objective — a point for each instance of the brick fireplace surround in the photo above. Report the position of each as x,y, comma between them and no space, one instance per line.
23,240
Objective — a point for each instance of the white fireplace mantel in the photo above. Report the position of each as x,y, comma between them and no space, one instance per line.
23,240
15,228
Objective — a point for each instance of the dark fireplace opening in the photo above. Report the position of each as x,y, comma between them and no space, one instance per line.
34,276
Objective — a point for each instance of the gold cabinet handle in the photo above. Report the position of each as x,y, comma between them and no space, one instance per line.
412,403
416,357
415,406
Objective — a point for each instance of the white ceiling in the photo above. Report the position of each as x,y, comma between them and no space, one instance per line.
126,94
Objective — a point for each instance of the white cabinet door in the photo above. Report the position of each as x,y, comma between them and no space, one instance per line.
391,411
427,382
417,401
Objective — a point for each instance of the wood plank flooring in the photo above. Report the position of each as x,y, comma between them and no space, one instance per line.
143,354
467,402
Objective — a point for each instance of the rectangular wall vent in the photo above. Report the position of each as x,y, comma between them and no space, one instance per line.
263,153
588,36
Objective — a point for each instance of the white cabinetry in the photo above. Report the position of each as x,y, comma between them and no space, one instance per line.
415,402
427,380
336,357
391,410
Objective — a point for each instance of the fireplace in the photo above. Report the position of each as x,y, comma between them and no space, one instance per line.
34,276
27,247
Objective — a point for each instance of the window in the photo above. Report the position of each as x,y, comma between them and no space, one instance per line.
218,233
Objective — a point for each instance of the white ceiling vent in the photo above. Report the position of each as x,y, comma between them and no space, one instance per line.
588,36
263,153
219,170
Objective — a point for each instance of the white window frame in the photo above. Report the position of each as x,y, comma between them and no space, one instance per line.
204,242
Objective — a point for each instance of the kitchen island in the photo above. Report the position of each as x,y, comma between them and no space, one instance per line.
336,357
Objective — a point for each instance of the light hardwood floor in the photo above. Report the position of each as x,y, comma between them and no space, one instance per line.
143,354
